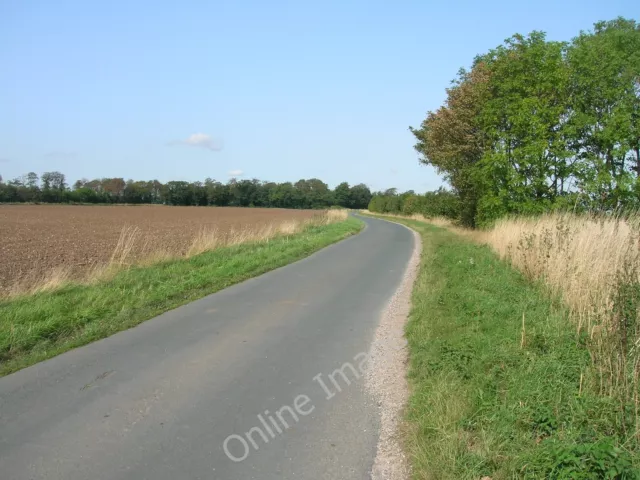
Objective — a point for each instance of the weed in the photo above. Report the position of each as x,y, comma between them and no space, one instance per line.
598,460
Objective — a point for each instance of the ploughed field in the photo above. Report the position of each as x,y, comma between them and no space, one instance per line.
44,243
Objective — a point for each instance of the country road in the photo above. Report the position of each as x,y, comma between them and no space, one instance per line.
234,369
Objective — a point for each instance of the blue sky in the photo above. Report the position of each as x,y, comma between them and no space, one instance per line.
278,90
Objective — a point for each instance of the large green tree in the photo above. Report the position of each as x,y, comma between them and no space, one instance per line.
526,160
342,195
538,125
604,110
451,138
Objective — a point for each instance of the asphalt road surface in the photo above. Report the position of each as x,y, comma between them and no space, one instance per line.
237,385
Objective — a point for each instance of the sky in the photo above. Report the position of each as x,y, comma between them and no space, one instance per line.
272,90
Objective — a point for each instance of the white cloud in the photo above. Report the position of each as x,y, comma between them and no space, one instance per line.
235,173
201,140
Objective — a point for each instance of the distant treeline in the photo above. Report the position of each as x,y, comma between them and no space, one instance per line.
51,187
441,203
537,125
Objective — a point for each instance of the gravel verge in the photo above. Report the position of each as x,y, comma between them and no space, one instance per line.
386,376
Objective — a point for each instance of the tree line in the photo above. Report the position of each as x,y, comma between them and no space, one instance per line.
536,125
439,203
51,187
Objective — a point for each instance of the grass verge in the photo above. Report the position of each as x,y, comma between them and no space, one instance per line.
45,324
496,370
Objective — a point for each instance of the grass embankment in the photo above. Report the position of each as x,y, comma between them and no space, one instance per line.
499,376
42,325
56,244
593,263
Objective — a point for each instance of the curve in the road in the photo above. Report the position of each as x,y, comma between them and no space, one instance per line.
251,368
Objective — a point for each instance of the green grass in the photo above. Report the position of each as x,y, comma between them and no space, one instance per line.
488,401
36,327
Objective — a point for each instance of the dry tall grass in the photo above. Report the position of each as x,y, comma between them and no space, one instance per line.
593,264
131,242
210,239
51,280
121,255
332,216
578,257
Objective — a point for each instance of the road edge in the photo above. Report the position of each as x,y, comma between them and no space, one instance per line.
29,360
386,378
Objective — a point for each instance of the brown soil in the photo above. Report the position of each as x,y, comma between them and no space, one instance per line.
36,239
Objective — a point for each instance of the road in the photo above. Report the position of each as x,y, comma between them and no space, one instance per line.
234,369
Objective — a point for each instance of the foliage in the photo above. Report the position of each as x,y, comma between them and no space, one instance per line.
585,461
537,125
440,203
311,193
451,139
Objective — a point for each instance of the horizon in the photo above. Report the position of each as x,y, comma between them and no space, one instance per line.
273,92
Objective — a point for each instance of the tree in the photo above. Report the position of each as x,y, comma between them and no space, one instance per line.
114,188
605,110
451,139
264,194
53,186
342,195
31,180
80,183
440,203
538,125
217,193
53,181
311,193
284,195
243,193
360,196
179,193
524,164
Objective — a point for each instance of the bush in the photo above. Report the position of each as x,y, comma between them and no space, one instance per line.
440,203
584,461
